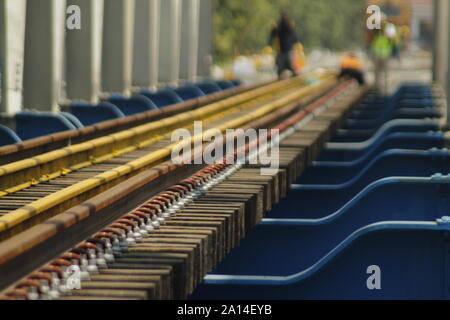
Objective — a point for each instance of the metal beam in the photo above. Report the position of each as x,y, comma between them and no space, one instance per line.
169,44
44,47
441,43
445,64
146,40
436,24
441,49
117,53
205,38
12,42
189,39
83,52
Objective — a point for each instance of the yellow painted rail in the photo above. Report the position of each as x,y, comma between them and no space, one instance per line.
25,173
37,207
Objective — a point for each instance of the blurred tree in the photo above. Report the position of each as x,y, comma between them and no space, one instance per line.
243,26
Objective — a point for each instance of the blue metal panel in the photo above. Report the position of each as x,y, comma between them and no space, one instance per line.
388,163
189,91
225,84
315,237
410,102
411,257
163,97
72,119
208,87
373,197
338,195
404,113
366,203
398,125
31,125
396,140
8,136
132,105
89,114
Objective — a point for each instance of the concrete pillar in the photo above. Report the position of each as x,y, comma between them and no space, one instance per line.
44,47
446,52
117,53
12,41
205,38
169,43
436,24
146,40
441,48
442,42
189,39
83,52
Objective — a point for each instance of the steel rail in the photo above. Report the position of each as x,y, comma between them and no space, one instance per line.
13,247
25,173
32,147
80,191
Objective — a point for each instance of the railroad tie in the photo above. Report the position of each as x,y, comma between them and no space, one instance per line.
171,258
192,242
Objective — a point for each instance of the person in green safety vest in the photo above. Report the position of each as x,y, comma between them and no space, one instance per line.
382,50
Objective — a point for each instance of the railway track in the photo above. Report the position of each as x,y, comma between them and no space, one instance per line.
37,188
40,145
163,248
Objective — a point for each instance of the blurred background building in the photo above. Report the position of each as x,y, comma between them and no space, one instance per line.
171,42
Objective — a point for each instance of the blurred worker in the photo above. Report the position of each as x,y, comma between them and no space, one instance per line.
352,67
283,39
381,50
274,41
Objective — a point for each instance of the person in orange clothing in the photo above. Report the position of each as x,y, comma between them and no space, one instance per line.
352,67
